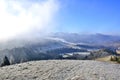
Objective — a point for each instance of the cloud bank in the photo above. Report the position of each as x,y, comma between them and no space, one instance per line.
22,16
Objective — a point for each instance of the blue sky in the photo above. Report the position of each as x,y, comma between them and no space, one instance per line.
89,16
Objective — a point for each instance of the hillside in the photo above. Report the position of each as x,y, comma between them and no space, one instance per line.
53,46
61,70
107,58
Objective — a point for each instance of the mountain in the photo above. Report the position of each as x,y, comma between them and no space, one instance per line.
92,39
41,49
55,46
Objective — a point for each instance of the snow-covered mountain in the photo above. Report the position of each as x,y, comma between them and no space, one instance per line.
96,39
20,50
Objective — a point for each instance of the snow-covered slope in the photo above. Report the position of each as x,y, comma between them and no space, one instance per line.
61,70
25,50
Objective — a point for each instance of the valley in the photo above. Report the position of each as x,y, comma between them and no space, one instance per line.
59,47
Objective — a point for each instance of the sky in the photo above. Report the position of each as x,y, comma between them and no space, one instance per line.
43,16
21,17
90,16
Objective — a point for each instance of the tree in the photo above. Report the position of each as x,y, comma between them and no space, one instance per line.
5,61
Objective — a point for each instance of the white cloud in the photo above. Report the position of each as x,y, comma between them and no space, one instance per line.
21,16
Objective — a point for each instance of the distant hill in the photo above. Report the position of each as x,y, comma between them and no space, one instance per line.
93,39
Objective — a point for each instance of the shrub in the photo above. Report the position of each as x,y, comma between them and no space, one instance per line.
115,58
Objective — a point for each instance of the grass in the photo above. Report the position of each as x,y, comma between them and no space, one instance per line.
111,59
107,58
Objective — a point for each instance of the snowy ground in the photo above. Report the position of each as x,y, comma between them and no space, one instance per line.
61,70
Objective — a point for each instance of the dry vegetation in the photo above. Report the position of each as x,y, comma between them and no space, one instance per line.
106,59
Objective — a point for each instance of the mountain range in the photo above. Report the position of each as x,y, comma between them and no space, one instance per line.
55,45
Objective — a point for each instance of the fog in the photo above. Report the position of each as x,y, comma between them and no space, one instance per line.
26,17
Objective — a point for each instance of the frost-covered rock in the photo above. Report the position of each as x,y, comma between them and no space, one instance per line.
61,70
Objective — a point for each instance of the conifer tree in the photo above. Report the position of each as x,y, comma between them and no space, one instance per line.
5,61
